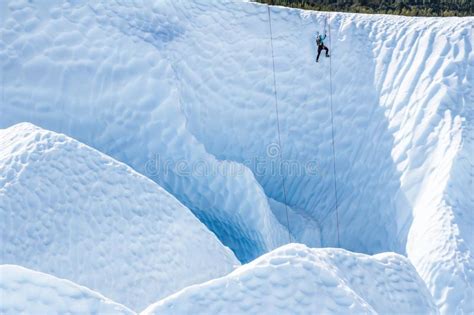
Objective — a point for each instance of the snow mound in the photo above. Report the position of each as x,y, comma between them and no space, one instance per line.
295,279
24,291
71,211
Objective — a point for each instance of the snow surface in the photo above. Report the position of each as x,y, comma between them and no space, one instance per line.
70,211
24,291
295,279
189,83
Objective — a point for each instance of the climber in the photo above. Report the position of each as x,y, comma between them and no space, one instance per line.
320,42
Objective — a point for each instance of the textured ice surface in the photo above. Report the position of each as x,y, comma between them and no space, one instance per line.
24,291
295,279
73,212
152,82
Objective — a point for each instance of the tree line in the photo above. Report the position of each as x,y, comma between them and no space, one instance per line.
399,7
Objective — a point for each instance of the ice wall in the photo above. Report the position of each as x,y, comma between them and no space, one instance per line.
73,212
190,83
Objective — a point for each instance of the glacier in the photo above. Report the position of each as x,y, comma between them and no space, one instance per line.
26,291
185,92
294,279
72,212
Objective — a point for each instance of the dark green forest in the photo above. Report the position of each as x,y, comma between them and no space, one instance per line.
399,7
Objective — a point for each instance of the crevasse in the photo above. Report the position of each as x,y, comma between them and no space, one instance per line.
159,83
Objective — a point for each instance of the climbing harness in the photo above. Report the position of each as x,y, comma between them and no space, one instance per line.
280,150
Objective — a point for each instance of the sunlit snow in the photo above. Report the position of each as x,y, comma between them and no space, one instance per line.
185,92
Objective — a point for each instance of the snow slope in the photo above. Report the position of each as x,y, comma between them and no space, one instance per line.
73,212
295,279
183,91
24,291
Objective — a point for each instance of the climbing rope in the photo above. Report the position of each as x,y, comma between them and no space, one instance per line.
280,150
325,24
332,133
